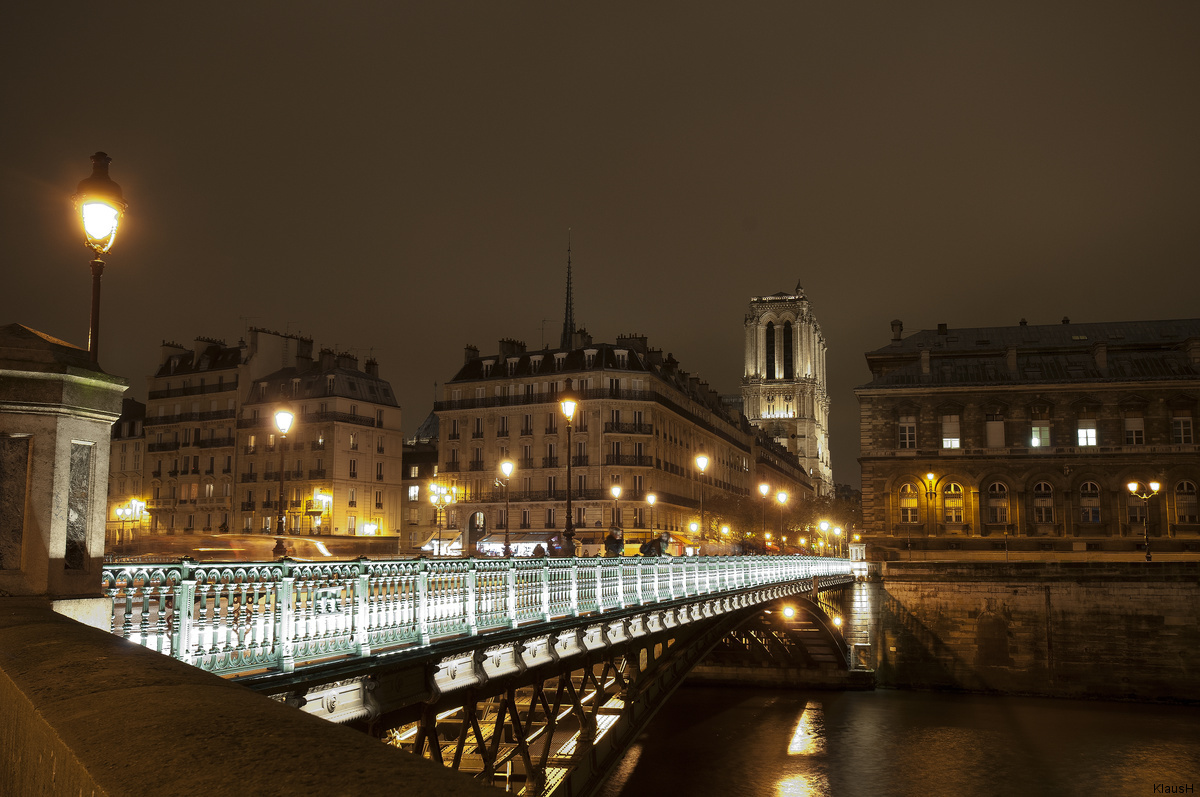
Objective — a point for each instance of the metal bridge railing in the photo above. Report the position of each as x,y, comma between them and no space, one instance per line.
231,618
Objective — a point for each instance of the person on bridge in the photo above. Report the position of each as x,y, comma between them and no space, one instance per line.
539,551
613,544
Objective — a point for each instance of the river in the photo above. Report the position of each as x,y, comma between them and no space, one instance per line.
768,743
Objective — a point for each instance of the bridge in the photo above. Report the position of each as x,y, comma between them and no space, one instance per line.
532,674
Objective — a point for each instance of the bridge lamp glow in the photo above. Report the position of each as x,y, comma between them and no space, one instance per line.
507,467
701,462
693,526
764,488
824,525
616,491
568,403
781,497
283,419
725,531
789,612
837,621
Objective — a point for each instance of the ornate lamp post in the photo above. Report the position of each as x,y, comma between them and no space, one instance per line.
283,422
507,467
569,403
440,497
702,465
100,205
1136,489
782,498
837,534
930,495
650,499
616,494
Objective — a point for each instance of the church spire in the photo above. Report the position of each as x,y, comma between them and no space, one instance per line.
568,331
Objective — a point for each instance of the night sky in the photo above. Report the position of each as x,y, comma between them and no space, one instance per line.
399,179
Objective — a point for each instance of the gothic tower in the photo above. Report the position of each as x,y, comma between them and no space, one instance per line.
783,384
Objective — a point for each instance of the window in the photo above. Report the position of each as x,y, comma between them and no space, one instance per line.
354,467
351,523
414,472
1043,503
502,430
1086,427
908,503
908,431
1181,427
353,441
1185,503
378,471
952,503
550,517
1135,429
477,432
950,431
414,493
1089,503
997,502
995,429
1040,428
379,499
1137,507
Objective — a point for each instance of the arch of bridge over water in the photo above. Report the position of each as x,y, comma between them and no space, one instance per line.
529,673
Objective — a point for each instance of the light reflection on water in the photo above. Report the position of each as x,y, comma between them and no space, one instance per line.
725,741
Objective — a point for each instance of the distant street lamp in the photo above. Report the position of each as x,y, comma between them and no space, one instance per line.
1136,489
616,494
650,499
506,468
782,498
763,489
702,465
441,497
569,403
129,513
837,533
100,205
283,422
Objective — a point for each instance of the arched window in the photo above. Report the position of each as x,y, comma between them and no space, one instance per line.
908,503
952,503
770,350
997,502
1089,502
1043,503
789,354
1185,503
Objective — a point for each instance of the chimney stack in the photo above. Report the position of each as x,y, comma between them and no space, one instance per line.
897,328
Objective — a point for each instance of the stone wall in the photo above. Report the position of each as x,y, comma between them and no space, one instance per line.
1119,630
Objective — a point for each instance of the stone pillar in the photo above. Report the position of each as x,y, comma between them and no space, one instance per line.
56,414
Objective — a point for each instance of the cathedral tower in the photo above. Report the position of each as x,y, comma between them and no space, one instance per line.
783,383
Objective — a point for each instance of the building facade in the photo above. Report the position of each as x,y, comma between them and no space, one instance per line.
982,439
640,424
126,498
784,390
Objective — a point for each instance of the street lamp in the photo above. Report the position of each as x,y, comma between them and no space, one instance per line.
702,465
1134,489
129,513
650,499
507,467
569,402
837,533
100,205
763,489
616,494
283,422
782,498
824,527
440,497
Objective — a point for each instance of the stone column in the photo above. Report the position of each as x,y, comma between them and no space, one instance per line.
56,414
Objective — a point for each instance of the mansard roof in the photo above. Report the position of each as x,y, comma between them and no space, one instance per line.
314,382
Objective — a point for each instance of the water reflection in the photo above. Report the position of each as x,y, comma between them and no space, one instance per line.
723,741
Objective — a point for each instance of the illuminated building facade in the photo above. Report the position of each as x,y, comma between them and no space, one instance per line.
126,456
972,437
784,390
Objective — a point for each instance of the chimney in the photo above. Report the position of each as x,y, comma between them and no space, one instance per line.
348,361
328,360
1066,320
942,329
372,367
897,328
470,353
1024,322
1010,360
169,350
511,347
925,362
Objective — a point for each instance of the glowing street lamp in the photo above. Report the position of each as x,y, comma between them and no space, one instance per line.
506,468
283,422
837,533
569,402
1136,489
441,496
763,489
100,205
616,494
702,465
650,499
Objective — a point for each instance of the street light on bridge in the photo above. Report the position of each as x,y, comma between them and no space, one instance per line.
568,402
506,469
782,498
283,422
1136,489
100,205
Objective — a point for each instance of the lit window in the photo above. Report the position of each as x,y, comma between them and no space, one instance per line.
950,431
414,493
952,503
998,502
1043,503
1089,503
414,471
1087,432
908,503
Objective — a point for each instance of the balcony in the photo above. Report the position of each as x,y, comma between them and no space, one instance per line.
220,387
317,445
217,442
476,435
248,477
317,473
296,503
160,503
248,450
549,462
474,464
226,470
502,433
378,477
629,460
551,430
195,471
379,505
295,474
453,436
270,476
451,467
579,460
525,463
153,447
156,474
628,428
527,432
248,506
173,472
208,472
352,504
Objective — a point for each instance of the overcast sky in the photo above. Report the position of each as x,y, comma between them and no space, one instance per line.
399,179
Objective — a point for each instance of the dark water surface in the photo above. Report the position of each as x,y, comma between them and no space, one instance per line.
730,741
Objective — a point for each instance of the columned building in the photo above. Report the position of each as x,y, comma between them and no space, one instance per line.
783,383
1027,437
